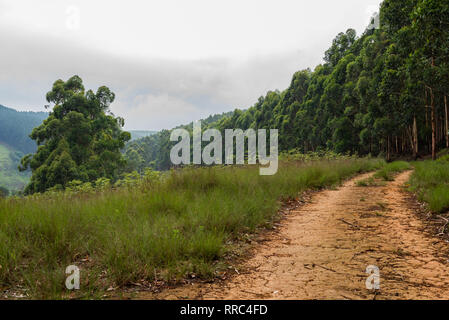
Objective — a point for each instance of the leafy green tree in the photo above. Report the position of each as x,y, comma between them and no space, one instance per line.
80,140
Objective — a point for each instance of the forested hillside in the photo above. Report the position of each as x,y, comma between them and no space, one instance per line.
138,134
381,93
11,179
154,151
15,128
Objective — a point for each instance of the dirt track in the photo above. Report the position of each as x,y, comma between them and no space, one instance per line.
323,248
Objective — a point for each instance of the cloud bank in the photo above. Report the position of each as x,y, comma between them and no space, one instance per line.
165,75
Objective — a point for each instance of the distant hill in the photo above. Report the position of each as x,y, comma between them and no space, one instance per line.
137,134
10,177
16,126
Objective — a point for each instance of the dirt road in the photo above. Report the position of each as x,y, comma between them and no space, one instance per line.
322,250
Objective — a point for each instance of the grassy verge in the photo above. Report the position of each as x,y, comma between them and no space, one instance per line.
369,182
387,172
430,181
165,229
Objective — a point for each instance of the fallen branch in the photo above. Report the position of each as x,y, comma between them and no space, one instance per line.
444,227
348,223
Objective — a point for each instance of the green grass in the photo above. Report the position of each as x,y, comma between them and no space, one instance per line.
388,171
442,153
181,225
385,173
430,181
365,182
369,182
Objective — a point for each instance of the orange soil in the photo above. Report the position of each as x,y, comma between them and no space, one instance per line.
322,249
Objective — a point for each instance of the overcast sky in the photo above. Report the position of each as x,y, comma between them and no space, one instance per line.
168,61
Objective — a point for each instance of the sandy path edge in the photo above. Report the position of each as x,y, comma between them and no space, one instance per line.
322,250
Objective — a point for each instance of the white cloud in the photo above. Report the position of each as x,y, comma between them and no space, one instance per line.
206,56
193,29
157,111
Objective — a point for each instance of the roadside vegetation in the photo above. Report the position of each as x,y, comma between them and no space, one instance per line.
388,171
368,182
430,181
162,227
384,174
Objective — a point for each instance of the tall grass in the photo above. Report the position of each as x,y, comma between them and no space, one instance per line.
431,182
388,171
167,229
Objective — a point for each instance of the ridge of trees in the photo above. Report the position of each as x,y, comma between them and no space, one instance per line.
154,151
383,93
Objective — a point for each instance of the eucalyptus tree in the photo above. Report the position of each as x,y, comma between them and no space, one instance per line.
80,140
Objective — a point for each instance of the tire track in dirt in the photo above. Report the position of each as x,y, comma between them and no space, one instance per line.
322,249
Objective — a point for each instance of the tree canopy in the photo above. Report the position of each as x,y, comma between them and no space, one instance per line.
80,140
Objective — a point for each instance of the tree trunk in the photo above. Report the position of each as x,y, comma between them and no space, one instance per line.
447,122
415,138
433,122
427,106
397,145
409,135
388,149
